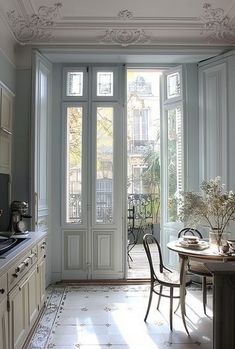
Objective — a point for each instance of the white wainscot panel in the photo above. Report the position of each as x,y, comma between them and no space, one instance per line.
214,121
74,250
103,250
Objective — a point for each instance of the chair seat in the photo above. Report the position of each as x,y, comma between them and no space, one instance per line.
170,279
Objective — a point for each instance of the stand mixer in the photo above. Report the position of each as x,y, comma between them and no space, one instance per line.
19,211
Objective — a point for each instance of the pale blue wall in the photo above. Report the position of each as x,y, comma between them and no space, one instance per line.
21,139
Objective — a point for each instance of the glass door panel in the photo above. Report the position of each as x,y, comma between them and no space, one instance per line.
174,156
104,165
74,211
172,159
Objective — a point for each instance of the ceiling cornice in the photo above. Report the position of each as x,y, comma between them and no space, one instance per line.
56,23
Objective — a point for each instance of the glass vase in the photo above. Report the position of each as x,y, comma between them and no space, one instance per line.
218,240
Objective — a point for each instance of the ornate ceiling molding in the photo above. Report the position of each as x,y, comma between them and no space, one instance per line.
217,24
36,26
125,15
125,37
31,23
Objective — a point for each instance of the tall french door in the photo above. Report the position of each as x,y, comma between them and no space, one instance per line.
172,158
96,134
92,157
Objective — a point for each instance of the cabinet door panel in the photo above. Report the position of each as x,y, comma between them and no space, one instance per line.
5,152
32,297
6,111
41,282
18,316
4,325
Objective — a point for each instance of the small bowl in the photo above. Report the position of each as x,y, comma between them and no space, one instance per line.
231,244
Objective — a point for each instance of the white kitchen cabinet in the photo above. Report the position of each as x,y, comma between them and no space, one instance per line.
4,339
6,111
18,315
6,107
41,269
41,282
4,324
26,293
32,296
5,153
23,308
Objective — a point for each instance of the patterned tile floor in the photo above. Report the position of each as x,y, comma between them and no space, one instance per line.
92,317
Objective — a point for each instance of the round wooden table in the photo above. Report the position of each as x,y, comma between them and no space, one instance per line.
203,255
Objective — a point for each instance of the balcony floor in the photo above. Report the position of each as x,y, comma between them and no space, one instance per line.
138,267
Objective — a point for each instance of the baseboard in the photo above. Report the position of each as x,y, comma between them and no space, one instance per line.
104,282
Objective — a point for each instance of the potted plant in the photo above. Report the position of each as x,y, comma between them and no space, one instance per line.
215,208
151,178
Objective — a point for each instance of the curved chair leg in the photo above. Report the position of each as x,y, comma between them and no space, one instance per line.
204,295
159,297
149,303
171,307
177,306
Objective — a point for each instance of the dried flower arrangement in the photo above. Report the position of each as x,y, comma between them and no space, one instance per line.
215,207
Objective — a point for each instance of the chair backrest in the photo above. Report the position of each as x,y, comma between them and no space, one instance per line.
189,231
150,241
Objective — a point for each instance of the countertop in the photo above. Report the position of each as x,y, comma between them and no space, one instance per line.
32,239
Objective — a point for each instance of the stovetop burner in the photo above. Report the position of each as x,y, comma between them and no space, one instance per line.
6,244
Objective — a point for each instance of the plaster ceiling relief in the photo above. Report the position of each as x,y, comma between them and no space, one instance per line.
106,23
125,37
217,25
35,26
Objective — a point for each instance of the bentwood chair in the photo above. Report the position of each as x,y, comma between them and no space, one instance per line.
161,278
195,267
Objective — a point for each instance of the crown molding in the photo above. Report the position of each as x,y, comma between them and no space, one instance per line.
34,23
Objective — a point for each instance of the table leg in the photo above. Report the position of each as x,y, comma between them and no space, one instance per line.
183,263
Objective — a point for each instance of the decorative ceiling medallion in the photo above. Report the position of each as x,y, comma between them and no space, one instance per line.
218,24
36,26
125,37
125,15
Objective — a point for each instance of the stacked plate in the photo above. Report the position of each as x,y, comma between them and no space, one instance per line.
193,242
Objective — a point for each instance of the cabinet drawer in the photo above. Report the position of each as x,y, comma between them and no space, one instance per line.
19,269
6,111
3,286
34,255
41,249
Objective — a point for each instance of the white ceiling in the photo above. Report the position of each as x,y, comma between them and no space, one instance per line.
127,28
